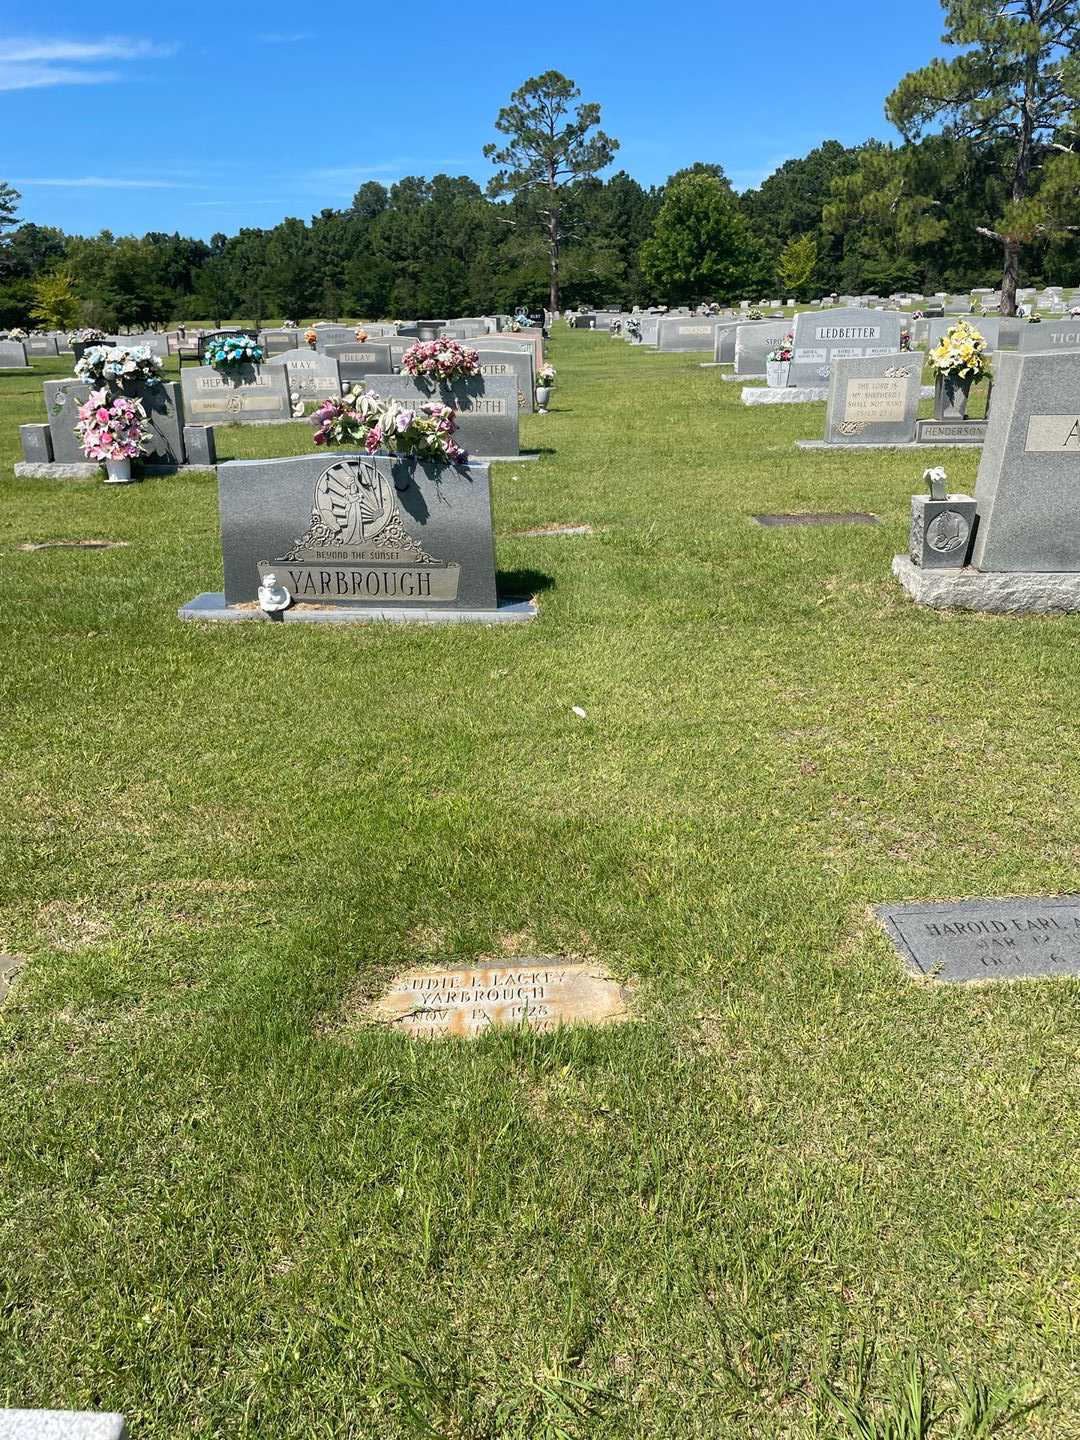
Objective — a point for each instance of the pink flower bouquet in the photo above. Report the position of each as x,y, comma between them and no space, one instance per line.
112,427
440,360
363,421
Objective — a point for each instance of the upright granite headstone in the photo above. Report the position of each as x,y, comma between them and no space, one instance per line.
684,333
486,409
753,342
275,342
243,395
874,400
12,355
43,346
163,403
1027,488
512,364
1056,336
846,334
313,375
359,359
356,530
334,335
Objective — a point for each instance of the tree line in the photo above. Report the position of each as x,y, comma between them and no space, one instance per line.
983,189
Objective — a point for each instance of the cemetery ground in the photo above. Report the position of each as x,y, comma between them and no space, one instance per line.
797,1179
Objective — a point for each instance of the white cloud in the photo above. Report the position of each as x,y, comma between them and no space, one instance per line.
106,182
31,63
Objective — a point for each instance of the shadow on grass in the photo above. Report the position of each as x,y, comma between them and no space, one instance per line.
518,584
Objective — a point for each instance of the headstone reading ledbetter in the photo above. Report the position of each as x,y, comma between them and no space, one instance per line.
843,334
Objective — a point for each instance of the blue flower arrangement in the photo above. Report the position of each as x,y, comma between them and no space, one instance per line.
232,350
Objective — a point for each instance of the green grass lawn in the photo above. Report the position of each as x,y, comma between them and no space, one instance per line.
230,1209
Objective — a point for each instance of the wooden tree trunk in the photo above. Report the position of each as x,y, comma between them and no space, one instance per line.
1010,275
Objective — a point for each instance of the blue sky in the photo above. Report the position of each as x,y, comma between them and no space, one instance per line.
201,117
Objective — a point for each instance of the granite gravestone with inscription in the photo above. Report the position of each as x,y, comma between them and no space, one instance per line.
682,333
242,395
958,941
467,1001
313,376
163,403
846,334
873,400
1028,488
511,364
375,532
359,359
486,410
753,342
1055,336
43,346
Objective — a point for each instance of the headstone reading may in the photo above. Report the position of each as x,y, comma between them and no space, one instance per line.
351,536
873,401
313,377
848,334
964,940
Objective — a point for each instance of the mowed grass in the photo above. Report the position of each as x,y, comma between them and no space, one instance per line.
797,1180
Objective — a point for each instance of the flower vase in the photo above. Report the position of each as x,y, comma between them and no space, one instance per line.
951,395
118,472
543,395
776,373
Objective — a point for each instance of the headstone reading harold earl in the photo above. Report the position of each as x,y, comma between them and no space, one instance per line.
346,534
467,1001
847,334
963,940
873,400
242,395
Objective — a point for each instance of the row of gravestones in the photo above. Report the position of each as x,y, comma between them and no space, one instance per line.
292,382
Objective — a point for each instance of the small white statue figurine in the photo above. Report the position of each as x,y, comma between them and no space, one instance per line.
272,596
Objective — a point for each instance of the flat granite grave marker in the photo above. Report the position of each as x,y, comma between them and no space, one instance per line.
467,1001
873,400
854,517
844,334
350,535
61,1425
243,395
486,409
963,940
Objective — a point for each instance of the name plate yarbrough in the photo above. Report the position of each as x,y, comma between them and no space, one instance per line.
357,546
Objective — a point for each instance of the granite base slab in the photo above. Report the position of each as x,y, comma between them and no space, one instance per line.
999,592
887,445
731,379
784,395
210,605
522,459
91,470
61,1425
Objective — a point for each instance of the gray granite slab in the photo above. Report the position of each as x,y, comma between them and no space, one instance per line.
873,399
849,333
1026,491
274,342
998,592
162,401
43,346
313,375
486,409
950,432
199,445
686,332
362,531
13,355
753,342
334,335
1054,336
211,606
360,358
36,443
241,395
512,364
963,940
61,1425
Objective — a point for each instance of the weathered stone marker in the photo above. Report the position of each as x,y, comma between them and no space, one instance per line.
537,993
957,941
873,400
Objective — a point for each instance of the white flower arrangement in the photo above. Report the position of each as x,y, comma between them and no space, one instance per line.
113,364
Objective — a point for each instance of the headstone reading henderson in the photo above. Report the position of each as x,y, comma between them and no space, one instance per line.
958,941
873,400
847,334
347,535
244,394
470,999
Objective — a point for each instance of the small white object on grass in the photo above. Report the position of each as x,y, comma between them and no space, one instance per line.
272,596
579,712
